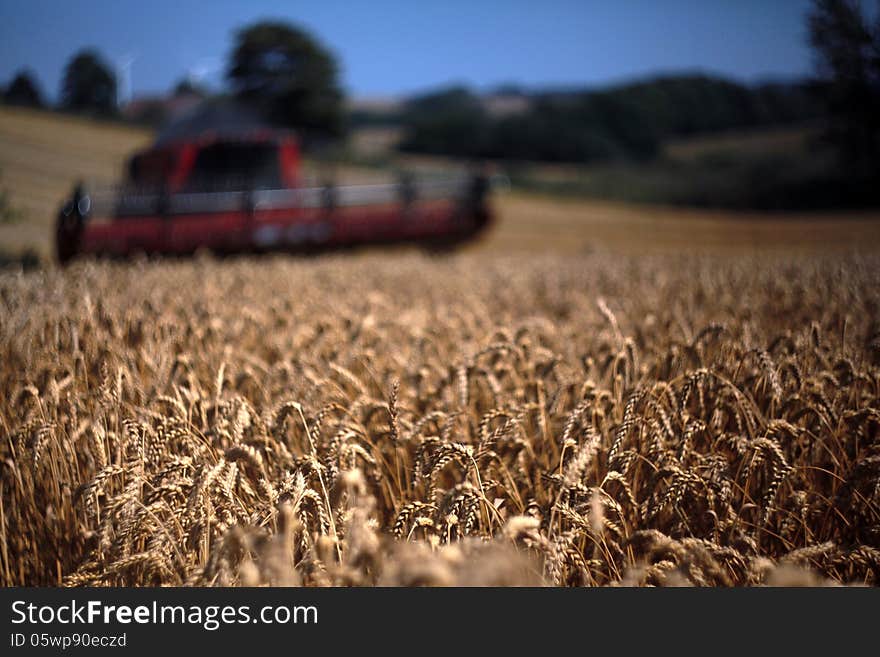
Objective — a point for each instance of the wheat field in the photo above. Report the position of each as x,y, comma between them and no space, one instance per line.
398,419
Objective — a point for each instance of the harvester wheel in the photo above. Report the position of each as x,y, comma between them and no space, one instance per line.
68,232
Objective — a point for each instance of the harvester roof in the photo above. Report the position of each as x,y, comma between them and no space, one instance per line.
218,120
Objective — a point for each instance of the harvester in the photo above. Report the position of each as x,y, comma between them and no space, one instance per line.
244,191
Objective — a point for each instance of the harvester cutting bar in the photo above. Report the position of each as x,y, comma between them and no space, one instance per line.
125,221
119,203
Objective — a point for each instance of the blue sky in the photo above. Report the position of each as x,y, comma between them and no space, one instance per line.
390,47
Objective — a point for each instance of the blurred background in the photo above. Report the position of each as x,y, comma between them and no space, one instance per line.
637,125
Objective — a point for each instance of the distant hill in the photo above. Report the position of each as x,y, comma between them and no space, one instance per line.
621,122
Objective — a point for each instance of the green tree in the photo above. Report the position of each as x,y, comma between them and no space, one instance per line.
284,71
88,85
449,122
23,90
848,69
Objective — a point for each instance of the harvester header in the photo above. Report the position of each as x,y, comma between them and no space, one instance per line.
245,192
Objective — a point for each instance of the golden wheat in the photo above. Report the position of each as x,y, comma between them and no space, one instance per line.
356,420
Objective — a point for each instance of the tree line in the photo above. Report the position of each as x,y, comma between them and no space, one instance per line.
278,68
624,122
293,79
88,86
631,121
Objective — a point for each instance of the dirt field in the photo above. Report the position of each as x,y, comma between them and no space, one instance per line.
595,395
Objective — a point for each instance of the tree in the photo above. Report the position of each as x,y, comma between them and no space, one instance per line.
290,76
848,71
23,91
88,85
450,121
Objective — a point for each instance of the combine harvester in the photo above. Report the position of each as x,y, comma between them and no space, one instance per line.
243,192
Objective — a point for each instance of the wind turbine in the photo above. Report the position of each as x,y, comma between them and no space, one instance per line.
123,68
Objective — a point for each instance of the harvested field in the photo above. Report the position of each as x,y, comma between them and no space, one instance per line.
42,155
